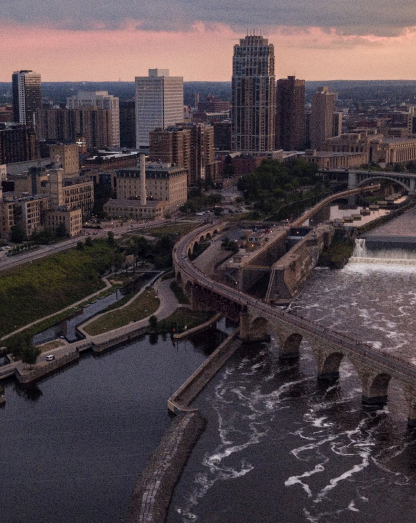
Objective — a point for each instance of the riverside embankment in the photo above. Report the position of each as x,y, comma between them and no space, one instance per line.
155,485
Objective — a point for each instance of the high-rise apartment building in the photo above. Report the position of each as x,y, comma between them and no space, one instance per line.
27,96
290,114
322,109
253,96
100,100
159,103
67,125
190,146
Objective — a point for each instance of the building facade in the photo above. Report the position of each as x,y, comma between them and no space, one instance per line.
159,103
128,124
290,114
100,100
17,144
27,96
66,156
322,110
253,96
165,191
190,146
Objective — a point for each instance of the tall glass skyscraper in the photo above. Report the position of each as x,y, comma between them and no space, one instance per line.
253,96
27,96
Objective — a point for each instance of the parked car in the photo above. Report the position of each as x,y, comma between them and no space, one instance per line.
50,357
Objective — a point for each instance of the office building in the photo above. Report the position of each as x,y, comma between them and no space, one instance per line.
100,100
27,96
322,110
253,96
290,114
159,103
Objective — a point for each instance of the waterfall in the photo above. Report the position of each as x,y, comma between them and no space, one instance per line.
360,250
386,256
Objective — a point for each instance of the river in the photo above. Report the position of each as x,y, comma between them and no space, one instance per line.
280,448
72,447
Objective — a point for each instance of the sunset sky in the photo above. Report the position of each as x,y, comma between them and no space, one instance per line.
313,39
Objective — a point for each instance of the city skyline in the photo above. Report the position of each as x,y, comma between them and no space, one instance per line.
103,42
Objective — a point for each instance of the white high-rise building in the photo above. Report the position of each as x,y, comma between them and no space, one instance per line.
101,100
159,103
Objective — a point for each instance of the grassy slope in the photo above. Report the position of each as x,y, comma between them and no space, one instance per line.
38,289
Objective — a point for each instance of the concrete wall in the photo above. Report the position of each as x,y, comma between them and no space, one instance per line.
292,269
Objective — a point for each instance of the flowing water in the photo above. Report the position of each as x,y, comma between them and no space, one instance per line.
280,448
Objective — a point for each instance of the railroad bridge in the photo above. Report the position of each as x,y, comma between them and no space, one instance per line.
258,320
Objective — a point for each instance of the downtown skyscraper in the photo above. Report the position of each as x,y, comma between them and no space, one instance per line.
290,114
159,103
27,96
253,96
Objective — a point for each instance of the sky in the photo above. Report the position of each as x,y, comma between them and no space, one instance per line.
95,40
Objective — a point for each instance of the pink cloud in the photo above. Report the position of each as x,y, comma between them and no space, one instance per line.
204,52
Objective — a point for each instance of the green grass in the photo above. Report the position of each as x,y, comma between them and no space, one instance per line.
143,306
182,318
35,290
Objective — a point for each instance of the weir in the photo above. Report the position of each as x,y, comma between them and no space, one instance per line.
373,255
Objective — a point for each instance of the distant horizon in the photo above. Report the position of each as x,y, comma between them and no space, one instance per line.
223,81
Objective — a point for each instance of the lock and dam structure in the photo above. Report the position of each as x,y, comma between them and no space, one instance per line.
258,319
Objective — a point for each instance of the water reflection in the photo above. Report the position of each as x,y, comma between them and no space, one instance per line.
74,445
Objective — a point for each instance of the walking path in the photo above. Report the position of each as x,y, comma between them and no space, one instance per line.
168,305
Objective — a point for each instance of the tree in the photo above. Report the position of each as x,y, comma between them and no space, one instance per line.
60,231
153,322
17,234
30,353
110,239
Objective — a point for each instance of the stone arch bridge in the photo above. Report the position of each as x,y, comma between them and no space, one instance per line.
258,320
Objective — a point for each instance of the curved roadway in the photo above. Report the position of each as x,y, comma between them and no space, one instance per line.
399,368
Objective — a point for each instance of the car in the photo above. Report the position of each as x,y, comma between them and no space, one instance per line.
50,357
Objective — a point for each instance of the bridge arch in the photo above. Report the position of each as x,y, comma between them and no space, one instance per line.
377,177
328,366
375,388
259,329
289,346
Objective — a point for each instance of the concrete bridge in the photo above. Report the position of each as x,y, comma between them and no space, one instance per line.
357,177
258,320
